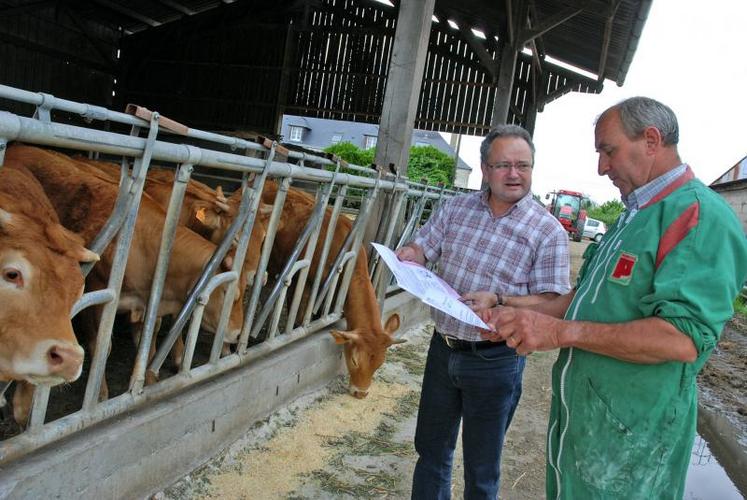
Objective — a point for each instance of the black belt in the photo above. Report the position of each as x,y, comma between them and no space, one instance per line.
466,345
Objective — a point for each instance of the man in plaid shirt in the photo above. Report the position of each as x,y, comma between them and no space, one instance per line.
497,246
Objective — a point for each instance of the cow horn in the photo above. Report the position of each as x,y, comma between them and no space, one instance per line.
5,217
86,255
219,195
398,341
222,205
265,208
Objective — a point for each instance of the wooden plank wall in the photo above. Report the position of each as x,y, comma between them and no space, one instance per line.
342,62
214,74
50,48
342,65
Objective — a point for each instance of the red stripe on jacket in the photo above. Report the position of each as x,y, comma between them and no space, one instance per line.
683,179
677,231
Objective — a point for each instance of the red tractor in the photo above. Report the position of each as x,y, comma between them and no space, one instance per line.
567,207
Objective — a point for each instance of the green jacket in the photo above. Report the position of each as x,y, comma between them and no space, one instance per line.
625,430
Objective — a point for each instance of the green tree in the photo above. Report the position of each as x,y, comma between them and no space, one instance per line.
607,212
352,153
429,162
425,161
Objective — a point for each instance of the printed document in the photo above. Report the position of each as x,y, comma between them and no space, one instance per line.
428,287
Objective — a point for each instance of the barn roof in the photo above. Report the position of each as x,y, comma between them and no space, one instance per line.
319,58
598,36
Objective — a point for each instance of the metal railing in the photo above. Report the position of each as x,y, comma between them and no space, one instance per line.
265,327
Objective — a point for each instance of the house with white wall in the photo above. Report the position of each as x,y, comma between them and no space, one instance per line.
319,133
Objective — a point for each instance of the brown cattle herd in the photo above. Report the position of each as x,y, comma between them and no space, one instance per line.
53,205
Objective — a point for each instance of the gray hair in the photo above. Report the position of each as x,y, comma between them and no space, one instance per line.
504,130
637,113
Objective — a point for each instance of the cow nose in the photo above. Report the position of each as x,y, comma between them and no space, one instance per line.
357,392
232,336
65,360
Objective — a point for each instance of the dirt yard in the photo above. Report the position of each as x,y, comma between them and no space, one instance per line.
329,445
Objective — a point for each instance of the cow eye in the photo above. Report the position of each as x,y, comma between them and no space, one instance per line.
14,276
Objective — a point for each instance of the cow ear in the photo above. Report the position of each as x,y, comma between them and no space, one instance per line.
342,337
200,215
392,324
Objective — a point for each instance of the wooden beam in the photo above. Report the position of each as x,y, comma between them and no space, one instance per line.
178,7
487,61
536,61
606,41
86,63
20,9
510,22
128,12
528,34
107,53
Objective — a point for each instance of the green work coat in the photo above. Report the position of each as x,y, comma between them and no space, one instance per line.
621,430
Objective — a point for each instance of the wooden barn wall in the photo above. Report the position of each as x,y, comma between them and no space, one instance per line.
342,66
458,92
51,48
222,70
342,60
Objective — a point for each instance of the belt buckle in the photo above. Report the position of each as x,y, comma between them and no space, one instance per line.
448,341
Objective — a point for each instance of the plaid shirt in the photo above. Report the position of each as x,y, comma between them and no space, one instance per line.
522,252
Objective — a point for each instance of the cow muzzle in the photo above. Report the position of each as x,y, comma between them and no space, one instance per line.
65,360
51,362
357,392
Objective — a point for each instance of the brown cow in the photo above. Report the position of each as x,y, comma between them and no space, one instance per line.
40,281
366,341
205,210
84,202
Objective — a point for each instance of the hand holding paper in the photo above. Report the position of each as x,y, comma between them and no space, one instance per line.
428,287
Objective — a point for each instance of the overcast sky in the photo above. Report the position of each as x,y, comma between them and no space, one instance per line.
692,56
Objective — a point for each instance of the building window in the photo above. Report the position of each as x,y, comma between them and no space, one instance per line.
336,138
296,133
369,141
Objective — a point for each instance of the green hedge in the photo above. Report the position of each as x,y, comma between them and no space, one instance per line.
425,161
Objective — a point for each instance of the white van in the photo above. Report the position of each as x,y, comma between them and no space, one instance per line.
594,229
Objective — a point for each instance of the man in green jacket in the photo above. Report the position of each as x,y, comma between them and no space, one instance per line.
646,313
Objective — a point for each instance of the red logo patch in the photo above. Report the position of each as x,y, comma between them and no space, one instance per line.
624,268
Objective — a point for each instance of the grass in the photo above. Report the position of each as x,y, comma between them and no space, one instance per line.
411,356
374,485
740,307
339,477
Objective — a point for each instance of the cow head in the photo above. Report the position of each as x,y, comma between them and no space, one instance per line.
217,215
365,352
40,281
212,310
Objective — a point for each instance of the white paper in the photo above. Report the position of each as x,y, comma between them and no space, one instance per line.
428,287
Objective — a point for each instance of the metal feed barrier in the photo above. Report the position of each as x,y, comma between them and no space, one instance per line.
152,138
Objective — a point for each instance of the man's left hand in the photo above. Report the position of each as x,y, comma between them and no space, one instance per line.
477,301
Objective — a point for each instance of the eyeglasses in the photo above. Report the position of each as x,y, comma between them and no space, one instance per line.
505,166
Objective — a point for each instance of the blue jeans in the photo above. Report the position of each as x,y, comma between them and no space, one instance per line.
480,387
